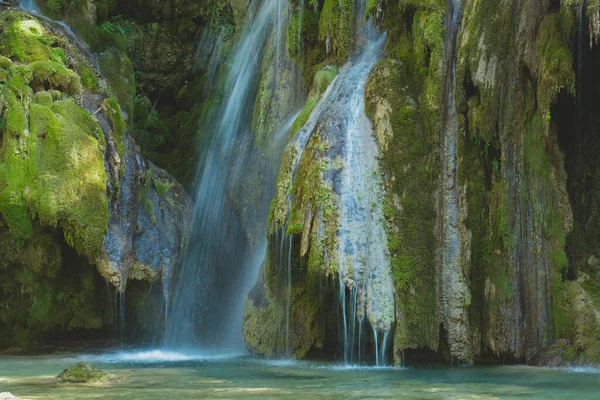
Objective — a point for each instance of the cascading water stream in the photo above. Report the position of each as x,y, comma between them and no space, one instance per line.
364,266
214,279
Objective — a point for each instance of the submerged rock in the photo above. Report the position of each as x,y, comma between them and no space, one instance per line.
83,372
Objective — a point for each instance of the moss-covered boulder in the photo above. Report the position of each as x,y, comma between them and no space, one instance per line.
83,372
70,173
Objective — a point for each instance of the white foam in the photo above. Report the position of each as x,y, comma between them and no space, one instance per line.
285,362
584,370
158,355
357,367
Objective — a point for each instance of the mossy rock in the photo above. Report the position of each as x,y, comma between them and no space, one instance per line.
52,75
83,372
24,39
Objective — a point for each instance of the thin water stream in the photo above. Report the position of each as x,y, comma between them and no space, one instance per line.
364,269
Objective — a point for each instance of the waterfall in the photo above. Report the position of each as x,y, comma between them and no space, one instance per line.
29,6
455,243
364,268
221,262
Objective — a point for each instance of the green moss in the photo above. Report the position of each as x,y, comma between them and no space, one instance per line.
44,98
555,63
24,39
56,94
321,81
41,75
16,118
71,185
52,188
52,168
295,40
82,372
336,22
324,77
117,68
304,47
145,196
88,78
262,329
162,187
304,114
113,113
5,63
408,160
581,323
373,7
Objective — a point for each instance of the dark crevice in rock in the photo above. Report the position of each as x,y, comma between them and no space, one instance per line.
577,124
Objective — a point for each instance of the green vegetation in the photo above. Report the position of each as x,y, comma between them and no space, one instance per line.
117,68
113,113
83,372
320,83
52,161
145,196
52,187
163,187
89,80
410,209
23,39
555,63
336,23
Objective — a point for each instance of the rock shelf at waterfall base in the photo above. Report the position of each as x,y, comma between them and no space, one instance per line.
342,188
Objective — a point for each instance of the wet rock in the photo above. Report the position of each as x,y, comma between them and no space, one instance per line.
13,351
593,261
149,224
83,372
552,355
7,395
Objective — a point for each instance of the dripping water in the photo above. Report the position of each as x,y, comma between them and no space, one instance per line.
289,298
121,308
285,282
364,267
166,323
375,337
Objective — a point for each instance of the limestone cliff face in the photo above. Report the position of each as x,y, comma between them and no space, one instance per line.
75,191
467,112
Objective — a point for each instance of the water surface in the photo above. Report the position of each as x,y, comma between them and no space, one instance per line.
171,375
